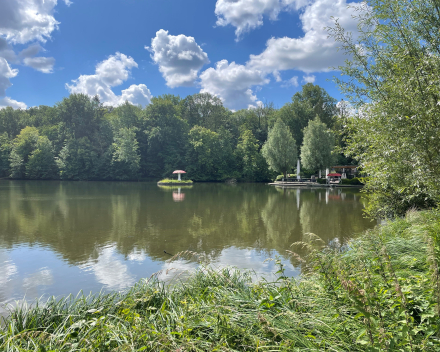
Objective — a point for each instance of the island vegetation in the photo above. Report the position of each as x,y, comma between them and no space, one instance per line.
169,181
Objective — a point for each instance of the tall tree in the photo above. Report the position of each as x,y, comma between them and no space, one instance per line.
126,153
22,147
206,110
319,100
248,155
79,161
203,154
5,150
166,133
317,147
280,149
312,100
41,164
392,82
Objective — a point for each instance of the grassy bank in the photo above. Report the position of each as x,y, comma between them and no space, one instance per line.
381,292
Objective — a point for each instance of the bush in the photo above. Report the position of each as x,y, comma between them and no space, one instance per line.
321,181
280,177
354,181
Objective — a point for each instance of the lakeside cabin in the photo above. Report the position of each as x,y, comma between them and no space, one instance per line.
346,171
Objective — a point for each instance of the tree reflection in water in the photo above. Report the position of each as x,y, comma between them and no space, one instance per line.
110,230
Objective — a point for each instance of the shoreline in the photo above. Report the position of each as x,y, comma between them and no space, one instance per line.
311,184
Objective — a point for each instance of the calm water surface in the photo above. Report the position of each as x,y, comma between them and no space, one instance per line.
58,238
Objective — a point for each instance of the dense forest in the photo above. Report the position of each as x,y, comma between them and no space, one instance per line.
81,139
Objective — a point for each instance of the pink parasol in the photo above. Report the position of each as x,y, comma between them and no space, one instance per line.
179,172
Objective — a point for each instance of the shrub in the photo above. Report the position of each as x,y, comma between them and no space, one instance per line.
354,181
321,181
280,177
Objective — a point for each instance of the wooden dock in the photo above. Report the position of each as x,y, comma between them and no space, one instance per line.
310,184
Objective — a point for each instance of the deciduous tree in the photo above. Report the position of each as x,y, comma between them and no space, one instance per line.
317,147
393,83
280,149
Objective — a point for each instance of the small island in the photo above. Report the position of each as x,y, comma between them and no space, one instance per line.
171,182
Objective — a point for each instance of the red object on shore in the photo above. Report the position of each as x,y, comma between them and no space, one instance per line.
334,175
179,172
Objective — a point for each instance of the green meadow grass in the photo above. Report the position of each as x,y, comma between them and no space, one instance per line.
379,292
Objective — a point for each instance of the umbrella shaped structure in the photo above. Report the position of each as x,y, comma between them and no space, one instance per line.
334,175
179,172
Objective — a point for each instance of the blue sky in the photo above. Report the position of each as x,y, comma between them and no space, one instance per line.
244,51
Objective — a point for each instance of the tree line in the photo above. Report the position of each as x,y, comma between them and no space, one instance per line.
80,139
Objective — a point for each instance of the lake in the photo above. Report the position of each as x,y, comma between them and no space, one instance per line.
58,238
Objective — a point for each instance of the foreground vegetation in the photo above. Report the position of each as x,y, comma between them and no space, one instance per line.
381,292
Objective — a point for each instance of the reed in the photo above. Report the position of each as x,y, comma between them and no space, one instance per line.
380,292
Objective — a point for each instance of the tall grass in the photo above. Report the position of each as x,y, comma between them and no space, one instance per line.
378,293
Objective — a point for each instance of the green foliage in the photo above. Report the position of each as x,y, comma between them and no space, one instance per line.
205,110
317,147
125,152
166,134
197,134
351,181
41,164
391,75
79,161
204,154
280,177
5,150
22,147
170,180
378,293
321,181
12,121
389,280
312,100
280,148
251,163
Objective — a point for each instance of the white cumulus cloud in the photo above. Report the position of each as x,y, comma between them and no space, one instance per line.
314,52
31,50
232,83
246,15
6,72
110,73
6,51
179,58
291,82
42,64
309,79
22,21
6,101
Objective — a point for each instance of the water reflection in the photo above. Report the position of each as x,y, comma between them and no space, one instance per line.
61,237
178,196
